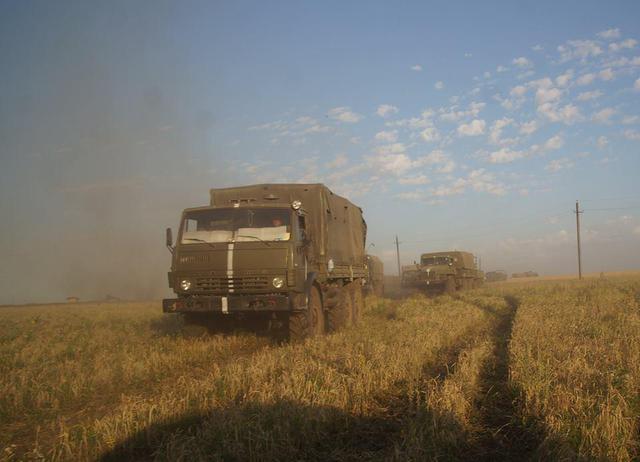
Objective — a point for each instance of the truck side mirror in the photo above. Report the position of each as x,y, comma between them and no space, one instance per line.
169,239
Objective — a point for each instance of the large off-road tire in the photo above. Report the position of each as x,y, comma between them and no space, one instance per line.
310,322
450,286
357,301
340,313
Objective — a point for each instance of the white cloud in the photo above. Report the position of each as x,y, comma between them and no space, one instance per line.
430,134
414,180
602,142
625,44
505,156
435,157
606,74
482,181
339,161
563,80
386,109
396,164
416,67
586,79
393,148
317,128
632,135
579,49
603,116
630,120
448,167
452,115
528,128
411,195
559,164
522,62
547,95
344,114
518,91
390,136
495,134
636,85
456,187
609,34
474,128
537,48
500,69
589,95
568,114
553,143
439,85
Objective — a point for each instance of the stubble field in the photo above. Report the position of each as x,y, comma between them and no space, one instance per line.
538,370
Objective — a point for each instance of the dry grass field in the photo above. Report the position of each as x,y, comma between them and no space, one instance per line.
533,371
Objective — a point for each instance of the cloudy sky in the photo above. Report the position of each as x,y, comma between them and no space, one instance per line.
453,125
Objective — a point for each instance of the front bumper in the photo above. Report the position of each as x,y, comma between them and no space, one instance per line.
227,304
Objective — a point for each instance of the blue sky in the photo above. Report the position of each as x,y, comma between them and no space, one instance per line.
468,125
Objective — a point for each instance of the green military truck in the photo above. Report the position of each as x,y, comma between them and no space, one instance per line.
285,257
496,276
443,272
375,276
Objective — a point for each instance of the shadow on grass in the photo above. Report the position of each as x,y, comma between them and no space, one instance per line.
284,430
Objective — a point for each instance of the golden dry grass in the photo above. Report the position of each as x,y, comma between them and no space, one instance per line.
546,371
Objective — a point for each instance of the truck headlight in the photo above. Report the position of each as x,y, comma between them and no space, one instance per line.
295,205
185,284
278,283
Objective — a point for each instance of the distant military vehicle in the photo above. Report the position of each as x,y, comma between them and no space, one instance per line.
285,257
375,276
526,274
443,272
496,276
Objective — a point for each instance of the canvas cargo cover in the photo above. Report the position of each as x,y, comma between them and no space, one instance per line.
464,259
334,225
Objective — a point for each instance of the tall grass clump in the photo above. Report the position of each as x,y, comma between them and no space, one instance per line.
575,354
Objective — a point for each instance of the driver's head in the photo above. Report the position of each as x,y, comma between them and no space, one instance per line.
276,222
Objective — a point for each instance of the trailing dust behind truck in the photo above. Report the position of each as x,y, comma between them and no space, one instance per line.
287,258
443,272
375,276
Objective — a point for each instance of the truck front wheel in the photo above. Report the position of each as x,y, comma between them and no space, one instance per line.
308,323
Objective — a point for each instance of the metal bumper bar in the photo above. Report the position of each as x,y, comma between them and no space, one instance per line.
227,304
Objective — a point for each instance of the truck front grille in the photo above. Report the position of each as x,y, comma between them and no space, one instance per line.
241,283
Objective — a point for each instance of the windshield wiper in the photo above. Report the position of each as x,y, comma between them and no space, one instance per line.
210,244
256,237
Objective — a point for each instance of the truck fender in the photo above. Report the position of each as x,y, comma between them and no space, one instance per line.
311,277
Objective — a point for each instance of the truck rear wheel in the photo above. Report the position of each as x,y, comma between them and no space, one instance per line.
449,286
357,300
340,312
308,323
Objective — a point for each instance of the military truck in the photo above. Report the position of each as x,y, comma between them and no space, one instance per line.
443,272
284,257
496,276
375,276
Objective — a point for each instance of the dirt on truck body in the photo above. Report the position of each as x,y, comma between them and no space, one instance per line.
284,257
443,272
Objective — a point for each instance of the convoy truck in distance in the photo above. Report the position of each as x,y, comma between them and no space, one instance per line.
443,272
284,257
375,276
496,276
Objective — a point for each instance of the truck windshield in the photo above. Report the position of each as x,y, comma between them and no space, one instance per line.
236,224
436,260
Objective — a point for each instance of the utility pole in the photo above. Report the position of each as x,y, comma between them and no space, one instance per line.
578,212
398,256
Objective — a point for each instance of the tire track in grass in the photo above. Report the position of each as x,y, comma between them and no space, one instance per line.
504,434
